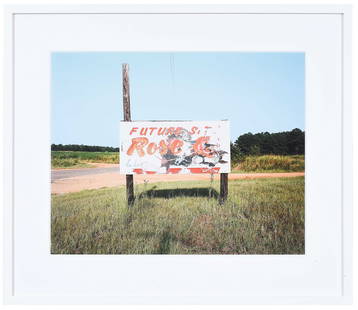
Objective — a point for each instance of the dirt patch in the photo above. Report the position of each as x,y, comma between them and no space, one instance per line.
103,165
113,179
90,165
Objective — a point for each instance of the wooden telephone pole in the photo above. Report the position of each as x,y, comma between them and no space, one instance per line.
127,118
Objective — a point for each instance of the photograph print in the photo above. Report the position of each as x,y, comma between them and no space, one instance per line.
178,153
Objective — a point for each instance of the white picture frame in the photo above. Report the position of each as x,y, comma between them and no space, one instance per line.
322,276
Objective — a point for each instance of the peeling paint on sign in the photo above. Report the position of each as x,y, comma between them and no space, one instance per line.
172,147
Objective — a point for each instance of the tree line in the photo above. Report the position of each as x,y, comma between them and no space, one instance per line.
264,143
279,143
83,148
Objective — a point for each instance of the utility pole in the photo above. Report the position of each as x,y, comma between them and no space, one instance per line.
127,118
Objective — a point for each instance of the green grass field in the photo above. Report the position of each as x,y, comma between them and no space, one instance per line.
262,216
271,163
76,159
263,163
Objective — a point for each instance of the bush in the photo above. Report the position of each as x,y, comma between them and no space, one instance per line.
66,159
275,163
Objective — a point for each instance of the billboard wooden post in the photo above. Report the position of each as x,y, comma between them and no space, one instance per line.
127,117
224,182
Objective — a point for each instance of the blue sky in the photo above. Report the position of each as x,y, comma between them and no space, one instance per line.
257,92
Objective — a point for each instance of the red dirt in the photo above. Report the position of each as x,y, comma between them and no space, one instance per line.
96,181
94,165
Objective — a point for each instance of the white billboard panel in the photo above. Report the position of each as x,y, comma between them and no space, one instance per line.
172,147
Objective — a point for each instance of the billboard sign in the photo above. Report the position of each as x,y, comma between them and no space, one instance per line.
174,147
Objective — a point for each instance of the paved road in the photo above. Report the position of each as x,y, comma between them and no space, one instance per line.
70,173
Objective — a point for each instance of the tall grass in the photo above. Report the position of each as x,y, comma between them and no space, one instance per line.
68,159
263,216
272,163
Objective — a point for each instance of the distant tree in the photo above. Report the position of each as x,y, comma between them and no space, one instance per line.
296,142
246,141
236,153
83,148
255,150
280,143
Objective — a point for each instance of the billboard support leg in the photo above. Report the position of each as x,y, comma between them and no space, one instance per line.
127,117
223,187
